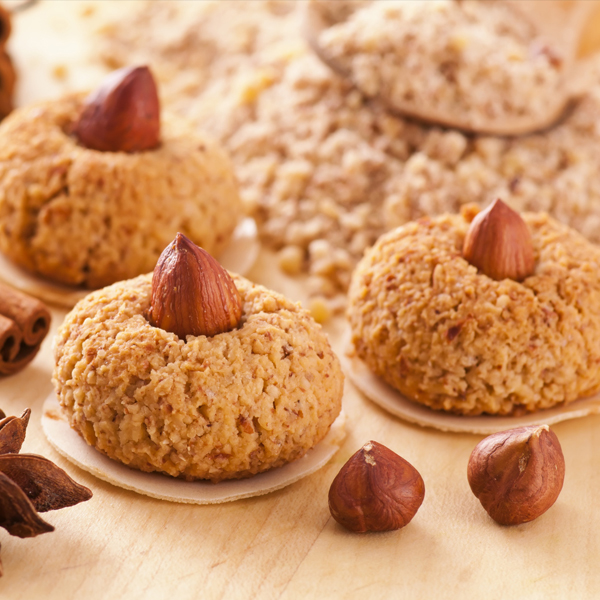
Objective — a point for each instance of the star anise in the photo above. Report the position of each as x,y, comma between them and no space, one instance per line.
30,483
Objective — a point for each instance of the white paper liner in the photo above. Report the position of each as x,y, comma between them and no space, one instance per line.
238,257
399,405
68,443
241,254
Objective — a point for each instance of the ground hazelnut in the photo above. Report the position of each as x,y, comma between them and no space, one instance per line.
376,490
517,474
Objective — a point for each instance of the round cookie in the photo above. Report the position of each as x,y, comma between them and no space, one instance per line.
84,217
447,336
221,407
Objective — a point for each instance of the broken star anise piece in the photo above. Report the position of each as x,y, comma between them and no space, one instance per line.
47,486
17,513
12,432
30,483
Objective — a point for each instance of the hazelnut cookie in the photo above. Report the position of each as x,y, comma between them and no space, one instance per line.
222,407
446,335
89,217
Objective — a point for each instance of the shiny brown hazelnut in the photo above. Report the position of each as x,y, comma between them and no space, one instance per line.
376,490
122,115
517,474
499,244
192,294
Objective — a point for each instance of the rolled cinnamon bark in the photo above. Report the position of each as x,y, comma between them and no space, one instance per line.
30,314
24,323
7,70
5,25
7,84
10,339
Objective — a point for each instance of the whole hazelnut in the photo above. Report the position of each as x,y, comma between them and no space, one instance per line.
123,114
517,474
376,490
192,294
498,242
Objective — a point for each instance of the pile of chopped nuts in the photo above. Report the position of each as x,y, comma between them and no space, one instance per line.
324,170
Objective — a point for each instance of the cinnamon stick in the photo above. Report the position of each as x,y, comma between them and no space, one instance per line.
5,25
7,84
10,339
24,323
7,70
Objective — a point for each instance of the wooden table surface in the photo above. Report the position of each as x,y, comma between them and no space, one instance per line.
284,545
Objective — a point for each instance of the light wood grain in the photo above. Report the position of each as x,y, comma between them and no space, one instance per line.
285,545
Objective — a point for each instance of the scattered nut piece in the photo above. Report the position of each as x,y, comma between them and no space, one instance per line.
499,243
87,11
376,490
319,309
60,72
192,294
123,114
517,474
291,259
469,211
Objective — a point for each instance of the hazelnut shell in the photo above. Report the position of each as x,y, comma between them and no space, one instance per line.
376,490
499,244
192,294
122,115
517,474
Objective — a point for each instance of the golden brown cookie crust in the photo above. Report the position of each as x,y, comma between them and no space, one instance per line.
429,324
83,217
224,407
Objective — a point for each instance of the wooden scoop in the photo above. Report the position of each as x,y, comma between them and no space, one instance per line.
561,22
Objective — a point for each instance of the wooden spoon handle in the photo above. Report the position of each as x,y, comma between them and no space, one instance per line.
314,22
561,22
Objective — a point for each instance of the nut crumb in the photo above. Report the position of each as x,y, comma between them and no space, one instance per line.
316,161
60,72
319,309
87,11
